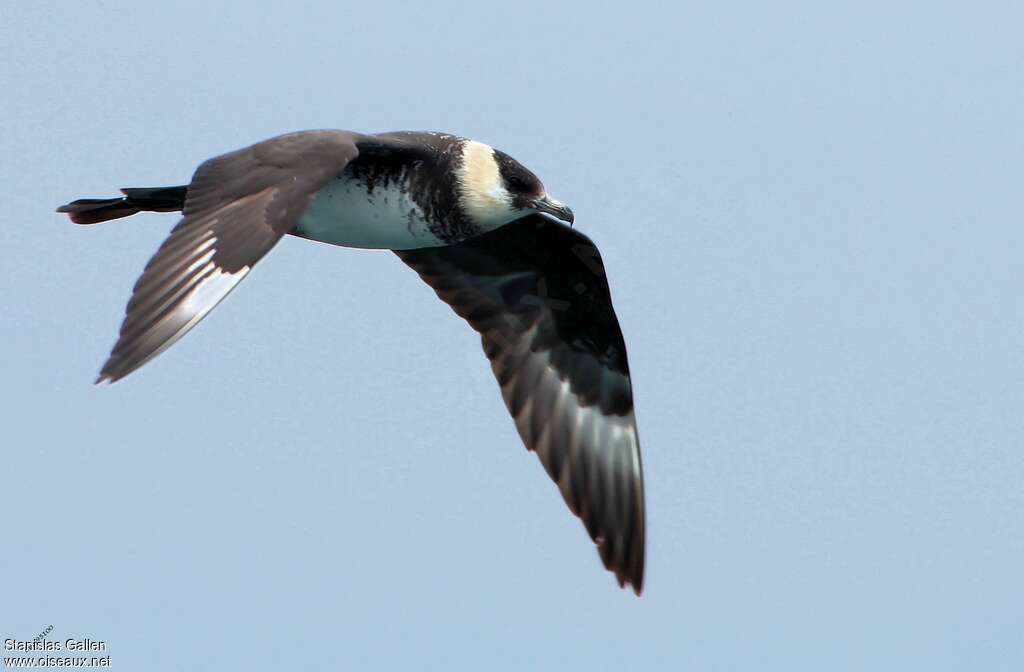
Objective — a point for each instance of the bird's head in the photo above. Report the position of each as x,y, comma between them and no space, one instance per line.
495,189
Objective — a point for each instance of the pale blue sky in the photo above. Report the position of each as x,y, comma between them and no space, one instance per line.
811,220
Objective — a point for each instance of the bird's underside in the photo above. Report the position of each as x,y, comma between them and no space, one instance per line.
534,289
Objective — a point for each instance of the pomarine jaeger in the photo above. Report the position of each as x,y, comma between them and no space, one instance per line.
477,226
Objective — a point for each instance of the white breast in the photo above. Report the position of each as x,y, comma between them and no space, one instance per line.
346,213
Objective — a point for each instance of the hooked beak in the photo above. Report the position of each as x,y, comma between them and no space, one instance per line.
556,209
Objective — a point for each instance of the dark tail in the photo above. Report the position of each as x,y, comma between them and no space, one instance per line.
146,199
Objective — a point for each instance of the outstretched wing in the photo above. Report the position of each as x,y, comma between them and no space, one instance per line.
536,292
237,207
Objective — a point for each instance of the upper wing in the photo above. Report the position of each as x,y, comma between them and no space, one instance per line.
536,292
237,207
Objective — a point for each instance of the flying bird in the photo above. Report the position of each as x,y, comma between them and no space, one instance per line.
479,228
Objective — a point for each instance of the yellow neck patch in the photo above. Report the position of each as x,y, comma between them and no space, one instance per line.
483,193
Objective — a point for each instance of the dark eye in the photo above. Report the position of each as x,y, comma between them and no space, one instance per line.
518,184
518,180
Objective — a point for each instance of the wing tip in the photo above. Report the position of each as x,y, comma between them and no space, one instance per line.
110,373
629,574
636,582
105,378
